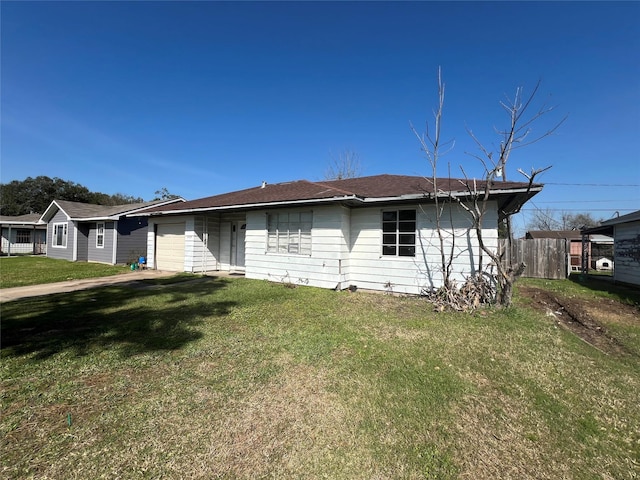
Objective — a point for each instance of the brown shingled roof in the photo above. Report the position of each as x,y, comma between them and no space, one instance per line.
372,187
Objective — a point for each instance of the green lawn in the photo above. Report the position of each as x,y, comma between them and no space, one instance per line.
235,378
25,270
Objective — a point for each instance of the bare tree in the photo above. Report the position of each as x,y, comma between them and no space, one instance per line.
345,165
515,136
432,146
476,202
547,220
544,220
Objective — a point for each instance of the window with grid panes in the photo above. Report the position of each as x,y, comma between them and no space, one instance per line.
100,235
289,233
23,236
399,233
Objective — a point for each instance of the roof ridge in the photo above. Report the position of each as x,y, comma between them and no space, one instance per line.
322,184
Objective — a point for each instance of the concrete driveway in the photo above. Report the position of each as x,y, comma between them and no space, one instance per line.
10,294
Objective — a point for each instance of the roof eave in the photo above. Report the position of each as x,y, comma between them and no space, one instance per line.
253,206
46,212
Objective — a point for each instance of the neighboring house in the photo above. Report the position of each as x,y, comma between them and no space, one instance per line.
625,231
97,233
23,234
375,232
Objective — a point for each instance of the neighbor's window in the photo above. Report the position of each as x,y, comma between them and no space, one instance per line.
399,233
100,234
23,236
60,235
289,233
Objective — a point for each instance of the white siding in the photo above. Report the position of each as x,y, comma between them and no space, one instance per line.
190,242
321,268
347,250
206,244
626,266
371,270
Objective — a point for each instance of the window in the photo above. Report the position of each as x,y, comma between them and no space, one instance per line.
399,233
100,235
23,235
60,235
289,233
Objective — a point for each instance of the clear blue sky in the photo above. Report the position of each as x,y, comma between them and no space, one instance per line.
204,98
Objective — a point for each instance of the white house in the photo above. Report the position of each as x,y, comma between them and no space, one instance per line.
376,232
22,234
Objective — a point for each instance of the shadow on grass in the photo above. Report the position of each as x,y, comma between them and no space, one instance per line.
626,293
132,319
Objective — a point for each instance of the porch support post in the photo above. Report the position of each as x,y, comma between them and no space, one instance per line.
585,253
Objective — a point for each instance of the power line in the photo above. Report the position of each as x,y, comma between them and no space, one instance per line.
591,201
593,184
579,210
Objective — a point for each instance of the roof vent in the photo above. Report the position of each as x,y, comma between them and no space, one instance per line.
264,184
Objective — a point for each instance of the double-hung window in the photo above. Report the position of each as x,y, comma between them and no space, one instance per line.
289,233
399,233
60,235
100,235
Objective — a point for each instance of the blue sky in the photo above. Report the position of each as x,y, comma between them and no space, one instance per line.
206,97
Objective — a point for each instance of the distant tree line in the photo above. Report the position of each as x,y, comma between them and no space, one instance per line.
550,220
34,195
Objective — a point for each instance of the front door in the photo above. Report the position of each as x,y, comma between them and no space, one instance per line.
238,230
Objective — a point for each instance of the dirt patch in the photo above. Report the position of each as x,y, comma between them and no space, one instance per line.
585,317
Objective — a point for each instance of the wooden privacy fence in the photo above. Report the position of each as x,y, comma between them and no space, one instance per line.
544,257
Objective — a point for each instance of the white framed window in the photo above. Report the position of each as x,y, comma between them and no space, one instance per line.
60,235
399,233
100,235
289,233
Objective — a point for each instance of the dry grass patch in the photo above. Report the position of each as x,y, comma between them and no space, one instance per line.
292,427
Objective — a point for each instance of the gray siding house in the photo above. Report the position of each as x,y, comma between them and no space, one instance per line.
377,232
97,233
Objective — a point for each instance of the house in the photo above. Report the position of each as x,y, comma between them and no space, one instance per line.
625,231
23,234
377,232
97,233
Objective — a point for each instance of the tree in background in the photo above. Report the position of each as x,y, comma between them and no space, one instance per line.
164,194
546,220
345,165
34,195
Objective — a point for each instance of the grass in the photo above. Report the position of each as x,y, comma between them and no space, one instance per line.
24,270
235,378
